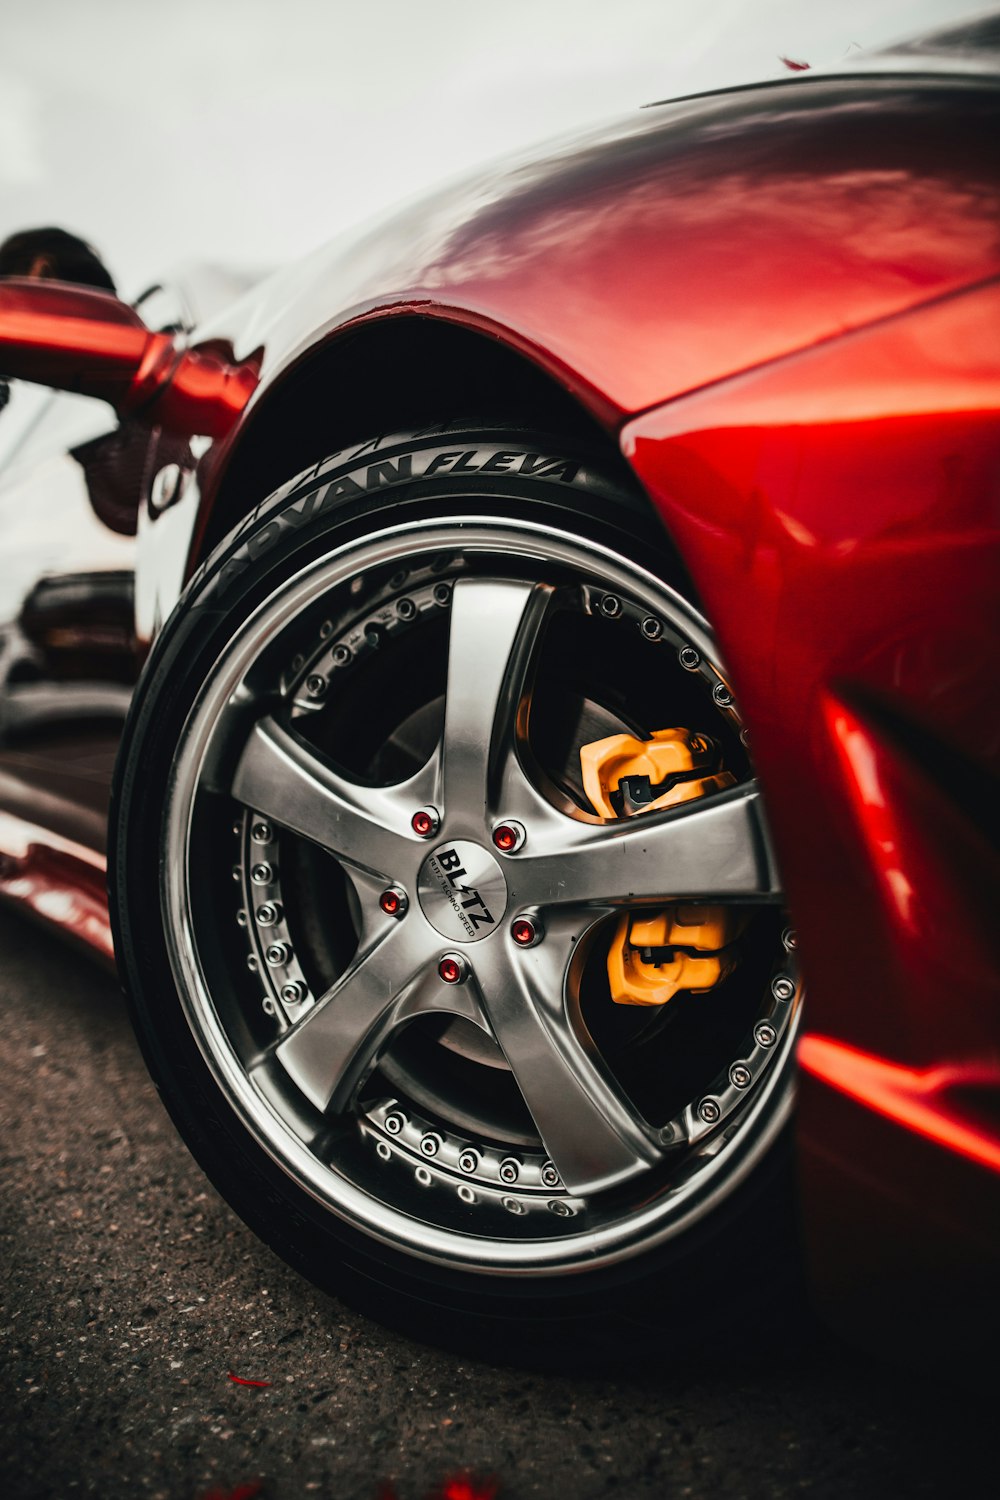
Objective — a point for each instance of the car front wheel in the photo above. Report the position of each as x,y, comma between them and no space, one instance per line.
445,901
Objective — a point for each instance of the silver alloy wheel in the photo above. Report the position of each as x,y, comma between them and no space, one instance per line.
603,1183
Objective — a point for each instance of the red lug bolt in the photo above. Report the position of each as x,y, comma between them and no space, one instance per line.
393,901
508,837
451,969
524,932
425,822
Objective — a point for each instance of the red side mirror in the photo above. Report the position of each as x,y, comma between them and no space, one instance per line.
75,338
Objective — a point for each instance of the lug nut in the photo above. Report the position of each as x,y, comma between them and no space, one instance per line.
277,954
430,1145
293,993
393,901
269,913
709,1111
261,833
689,658
509,1170
783,988
610,607
525,932
261,874
315,685
740,1076
508,837
651,628
468,1161
425,822
765,1034
452,969
550,1177
394,1124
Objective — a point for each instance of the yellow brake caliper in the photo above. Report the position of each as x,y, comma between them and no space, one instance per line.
682,946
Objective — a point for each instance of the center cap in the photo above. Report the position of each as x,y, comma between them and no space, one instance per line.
462,891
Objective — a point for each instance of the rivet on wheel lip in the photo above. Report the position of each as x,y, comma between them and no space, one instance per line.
610,606
425,822
262,833
782,987
453,969
709,1111
509,1170
651,628
722,695
765,1034
689,658
509,836
393,901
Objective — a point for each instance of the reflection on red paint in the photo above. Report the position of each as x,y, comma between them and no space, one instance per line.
56,879
921,1100
859,757
238,1381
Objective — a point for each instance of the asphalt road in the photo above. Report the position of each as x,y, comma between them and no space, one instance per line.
130,1292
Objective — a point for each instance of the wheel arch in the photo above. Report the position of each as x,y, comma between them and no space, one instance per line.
400,372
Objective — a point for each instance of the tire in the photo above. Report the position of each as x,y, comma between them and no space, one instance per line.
509,1163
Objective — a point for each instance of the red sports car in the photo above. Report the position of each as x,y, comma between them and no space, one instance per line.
484,674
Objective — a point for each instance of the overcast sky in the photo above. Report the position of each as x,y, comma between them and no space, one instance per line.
247,131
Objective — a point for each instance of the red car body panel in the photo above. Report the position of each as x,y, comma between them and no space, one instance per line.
783,302
839,513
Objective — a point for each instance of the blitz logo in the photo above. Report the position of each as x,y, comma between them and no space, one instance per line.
474,906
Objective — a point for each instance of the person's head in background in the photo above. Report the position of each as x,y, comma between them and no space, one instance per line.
56,255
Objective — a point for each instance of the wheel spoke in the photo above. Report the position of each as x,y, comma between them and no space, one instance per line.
283,777
590,1130
714,848
495,626
392,978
